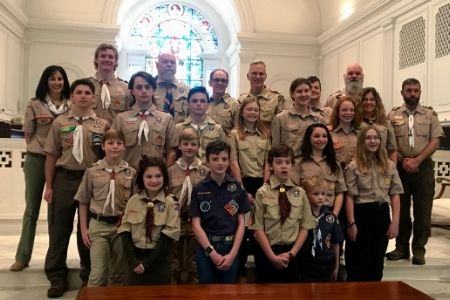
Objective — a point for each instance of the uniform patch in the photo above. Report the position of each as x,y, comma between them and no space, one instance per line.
202,172
98,123
177,208
387,181
160,207
150,204
127,172
181,90
115,103
205,206
130,119
67,129
296,193
97,139
232,187
330,218
211,127
158,120
232,207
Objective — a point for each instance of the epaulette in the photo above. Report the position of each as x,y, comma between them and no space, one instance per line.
120,79
335,93
246,93
429,107
276,92
173,197
94,164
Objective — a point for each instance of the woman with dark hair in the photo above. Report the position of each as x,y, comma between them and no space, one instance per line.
319,159
51,99
373,113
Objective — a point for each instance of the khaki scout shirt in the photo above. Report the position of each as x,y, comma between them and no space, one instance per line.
224,112
289,128
386,133
165,219
271,103
344,144
333,98
373,186
162,135
120,97
250,153
426,127
38,121
208,131
266,216
94,187
336,183
179,91
324,111
59,142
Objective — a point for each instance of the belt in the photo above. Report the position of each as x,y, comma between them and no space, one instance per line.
37,155
106,219
220,238
75,173
142,251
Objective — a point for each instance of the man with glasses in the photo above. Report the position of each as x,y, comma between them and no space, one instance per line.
222,107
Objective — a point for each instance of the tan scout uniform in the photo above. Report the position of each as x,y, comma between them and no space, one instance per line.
208,132
224,112
344,144
419,186
289,128
179,92
336,182
184,270
250,153
271,103
162,134
333,98
119,94
93,191
324,111
266,216
165,220
386,133
60,140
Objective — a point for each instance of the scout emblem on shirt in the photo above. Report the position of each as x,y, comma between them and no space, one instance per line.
160,207
158,120
44,120
115,102
131,120
205,206
330,218
232,207
387,181
337,144
327,241
211,127
232,187
398,120
177,207
98,123
181,90
159,139
296,193
202,172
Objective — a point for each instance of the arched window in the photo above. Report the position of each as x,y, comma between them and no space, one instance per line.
174,28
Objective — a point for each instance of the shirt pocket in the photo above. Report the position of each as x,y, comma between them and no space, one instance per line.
422,128
385,181
266,109
296,208
125,185
135,218
364,181
210,133
158,137
400,128
130,131
272,210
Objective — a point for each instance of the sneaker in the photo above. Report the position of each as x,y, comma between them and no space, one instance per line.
396,255
57,288
418,260
18,266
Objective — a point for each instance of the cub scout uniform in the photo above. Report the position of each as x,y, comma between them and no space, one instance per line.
175,94
224,112
111,97
151,132
289,128
271,103
208,131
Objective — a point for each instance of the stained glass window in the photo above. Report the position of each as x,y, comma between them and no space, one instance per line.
178,29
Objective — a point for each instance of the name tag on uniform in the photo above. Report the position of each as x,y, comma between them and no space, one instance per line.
131,119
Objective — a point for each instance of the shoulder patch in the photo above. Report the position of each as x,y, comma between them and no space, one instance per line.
395,108
120,79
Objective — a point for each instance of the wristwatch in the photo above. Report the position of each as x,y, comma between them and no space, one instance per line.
208,250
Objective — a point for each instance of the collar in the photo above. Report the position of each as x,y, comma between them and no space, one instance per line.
419,109
161,197
275,183
194,165
292,111
339,128
264,94
109,80
91,114
207,120
136,110
103,164
173,83
228,179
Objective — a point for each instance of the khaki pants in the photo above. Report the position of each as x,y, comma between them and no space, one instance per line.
107,257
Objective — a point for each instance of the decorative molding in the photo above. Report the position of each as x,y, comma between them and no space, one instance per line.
245,13
13,18
109,12
278,38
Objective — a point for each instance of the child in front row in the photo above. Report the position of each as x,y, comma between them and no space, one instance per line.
104,190
281,220
150,225
218,206
319,256
184,174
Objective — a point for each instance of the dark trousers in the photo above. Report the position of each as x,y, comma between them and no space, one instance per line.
267,273
419,187
158,274
364,258
61,214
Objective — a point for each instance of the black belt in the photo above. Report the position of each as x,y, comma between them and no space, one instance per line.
142,251
74,173
220,238
37,155
106,219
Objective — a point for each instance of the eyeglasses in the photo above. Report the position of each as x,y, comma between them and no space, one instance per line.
220,80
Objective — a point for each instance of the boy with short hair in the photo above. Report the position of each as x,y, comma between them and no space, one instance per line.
218,206
184,174
281,220
319,256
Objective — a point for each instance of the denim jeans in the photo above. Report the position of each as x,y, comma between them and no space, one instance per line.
208,272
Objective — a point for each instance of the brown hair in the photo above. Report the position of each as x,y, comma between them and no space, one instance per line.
260,127
334,119
189,134
103,47
380,112
111,133
314,182
363,161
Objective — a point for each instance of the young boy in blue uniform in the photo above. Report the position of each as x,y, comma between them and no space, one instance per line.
218,205
319,256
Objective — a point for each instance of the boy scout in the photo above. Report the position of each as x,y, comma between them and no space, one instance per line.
281,220
147,129
104,190
184,174
72,145
207,129
111,92
418,131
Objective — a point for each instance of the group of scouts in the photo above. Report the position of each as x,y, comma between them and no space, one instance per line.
174,186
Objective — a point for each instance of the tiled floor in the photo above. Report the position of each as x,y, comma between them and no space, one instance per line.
433,278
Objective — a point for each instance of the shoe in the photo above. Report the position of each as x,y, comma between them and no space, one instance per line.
57,288
396,255
418,260
84,283
18,266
